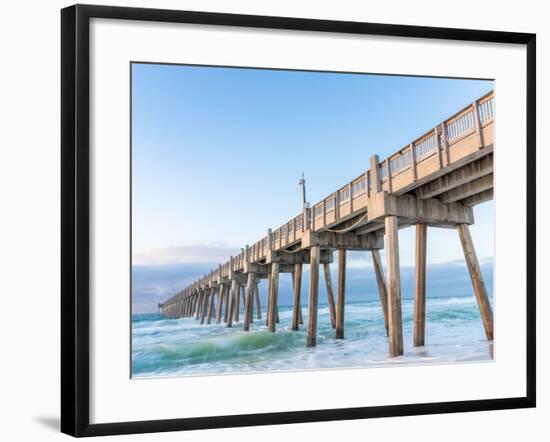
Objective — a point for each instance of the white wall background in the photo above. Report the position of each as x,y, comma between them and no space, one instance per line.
29,219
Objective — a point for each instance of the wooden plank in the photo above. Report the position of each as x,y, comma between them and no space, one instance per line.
420,286
480,291
341,294
455,178
313,301
248,301
467,190
274,292
395,323
478,198
378,271
330,294
297,286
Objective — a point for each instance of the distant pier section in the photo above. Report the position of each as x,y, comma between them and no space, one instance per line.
435,180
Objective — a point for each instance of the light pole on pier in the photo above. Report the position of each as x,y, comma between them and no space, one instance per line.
302,183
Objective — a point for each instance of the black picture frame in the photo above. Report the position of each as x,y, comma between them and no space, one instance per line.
75,225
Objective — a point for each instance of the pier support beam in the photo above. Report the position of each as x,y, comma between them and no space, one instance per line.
242,292
377,264
237,303
257,299
205,297
395,324
227,295
341,294
248,301
268,300
234,292
420,286
210,307
274,311
221,290
313,301
330,294
480,291
296,306
198,298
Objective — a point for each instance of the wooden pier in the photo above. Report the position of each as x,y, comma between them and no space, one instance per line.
434,181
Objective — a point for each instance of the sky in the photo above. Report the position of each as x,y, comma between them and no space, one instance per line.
217,154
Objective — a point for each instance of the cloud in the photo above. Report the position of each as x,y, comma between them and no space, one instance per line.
196,254
152,284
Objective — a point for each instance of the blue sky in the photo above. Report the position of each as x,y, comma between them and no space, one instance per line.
217,152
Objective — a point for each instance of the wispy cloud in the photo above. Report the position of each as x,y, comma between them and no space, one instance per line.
196,254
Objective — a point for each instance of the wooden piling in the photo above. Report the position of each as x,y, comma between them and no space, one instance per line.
394,287
341,294
226,304
206,295
330,294
237,303
210,307
252,301
232,294
197,305
268,302
199,297
248,301
297,286
480,291
257,298
313,300
274,292
198,302
243,294
377,264
420,286
221,290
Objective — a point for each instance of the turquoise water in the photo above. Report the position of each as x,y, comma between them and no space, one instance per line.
182,347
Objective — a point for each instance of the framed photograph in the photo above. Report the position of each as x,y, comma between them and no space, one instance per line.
308,220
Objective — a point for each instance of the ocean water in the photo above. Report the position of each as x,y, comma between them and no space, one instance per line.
183,347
